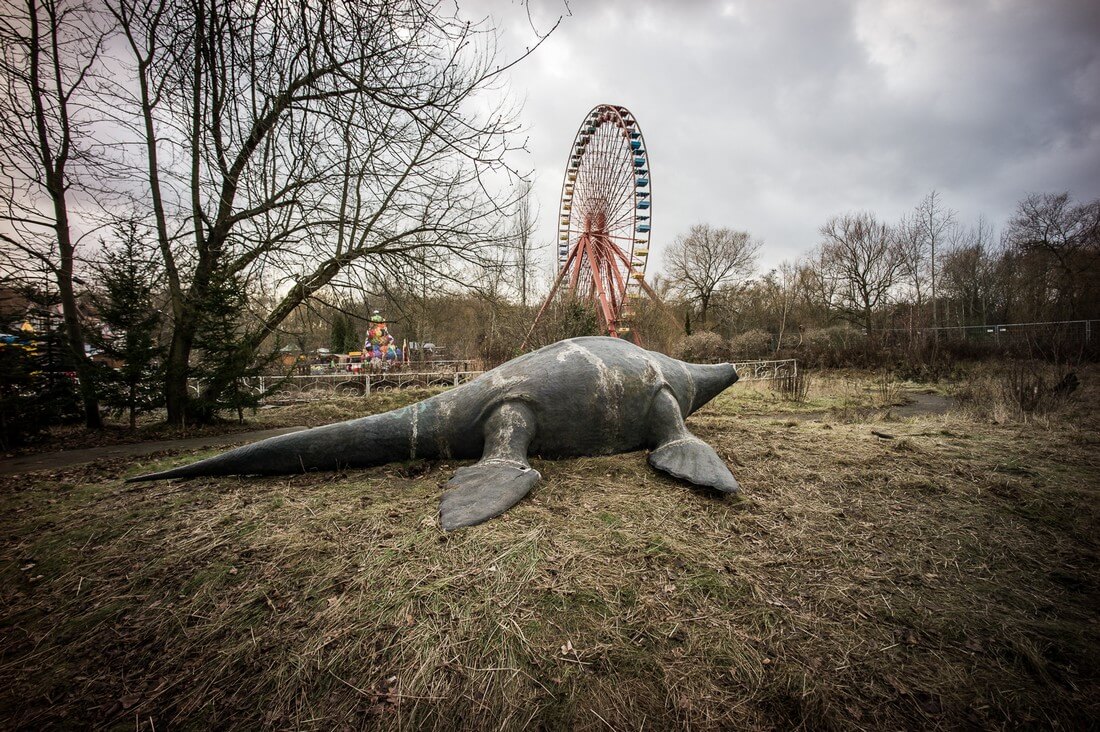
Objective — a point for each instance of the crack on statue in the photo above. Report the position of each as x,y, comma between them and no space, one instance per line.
528,405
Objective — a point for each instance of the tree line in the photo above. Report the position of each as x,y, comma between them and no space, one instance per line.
924,272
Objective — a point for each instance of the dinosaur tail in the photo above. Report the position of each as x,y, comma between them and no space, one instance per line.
373,440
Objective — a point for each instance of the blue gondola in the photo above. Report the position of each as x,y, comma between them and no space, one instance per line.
643,182
635,134
643,204
639,162
636,144
643,228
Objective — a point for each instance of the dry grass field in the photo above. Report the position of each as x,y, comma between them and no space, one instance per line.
944,575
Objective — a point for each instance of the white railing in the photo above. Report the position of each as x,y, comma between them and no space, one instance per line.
766,370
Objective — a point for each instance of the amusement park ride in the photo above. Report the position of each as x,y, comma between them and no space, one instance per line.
604,224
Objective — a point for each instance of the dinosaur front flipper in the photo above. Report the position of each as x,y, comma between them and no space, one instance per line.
683,455
501,479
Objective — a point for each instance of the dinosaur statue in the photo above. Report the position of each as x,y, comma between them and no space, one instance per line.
582,396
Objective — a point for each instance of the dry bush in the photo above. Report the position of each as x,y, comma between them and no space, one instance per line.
886,388
751,344
658,324
701,347
1017,390
565,317
837,346
794,386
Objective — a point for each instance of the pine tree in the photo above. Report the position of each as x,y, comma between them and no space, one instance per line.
338,340
130,321
223,361
37,389
351,337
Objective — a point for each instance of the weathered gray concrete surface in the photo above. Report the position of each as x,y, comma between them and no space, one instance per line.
583,396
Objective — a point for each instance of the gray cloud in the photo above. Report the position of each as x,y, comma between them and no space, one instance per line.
772,116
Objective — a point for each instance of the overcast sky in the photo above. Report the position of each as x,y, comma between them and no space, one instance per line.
771,116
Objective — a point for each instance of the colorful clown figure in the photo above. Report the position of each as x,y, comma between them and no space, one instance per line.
380,346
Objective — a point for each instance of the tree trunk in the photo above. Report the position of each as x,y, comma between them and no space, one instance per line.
74,339
56,182
175,378
74,332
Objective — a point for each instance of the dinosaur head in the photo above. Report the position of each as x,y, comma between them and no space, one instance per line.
710,380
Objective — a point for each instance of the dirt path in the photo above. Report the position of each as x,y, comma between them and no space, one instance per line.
923,403
68,458
920,404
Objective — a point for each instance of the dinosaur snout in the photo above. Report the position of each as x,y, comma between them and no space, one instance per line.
710,381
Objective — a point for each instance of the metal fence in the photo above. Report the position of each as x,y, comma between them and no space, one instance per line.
323,386
1082,332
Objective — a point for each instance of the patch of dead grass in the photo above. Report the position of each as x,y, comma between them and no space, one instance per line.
947,578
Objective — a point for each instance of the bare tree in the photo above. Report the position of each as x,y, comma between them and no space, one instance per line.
859,264
50,52
914,266
933,224
817,292
523,226
968,273
1066,235
784,284
709,258
289,143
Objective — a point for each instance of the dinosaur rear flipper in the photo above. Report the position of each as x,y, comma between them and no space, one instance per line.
689,458
479,492
683,455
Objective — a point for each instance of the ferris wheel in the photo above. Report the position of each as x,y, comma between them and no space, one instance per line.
604,219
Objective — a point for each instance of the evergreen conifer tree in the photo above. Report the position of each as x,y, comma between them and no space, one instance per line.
222,359
339,338
129,324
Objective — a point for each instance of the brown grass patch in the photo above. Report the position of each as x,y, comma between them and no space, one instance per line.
947,578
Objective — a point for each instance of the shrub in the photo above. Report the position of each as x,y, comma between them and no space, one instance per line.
1017,390
701,347
751,344
838,345
793,385
35,393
